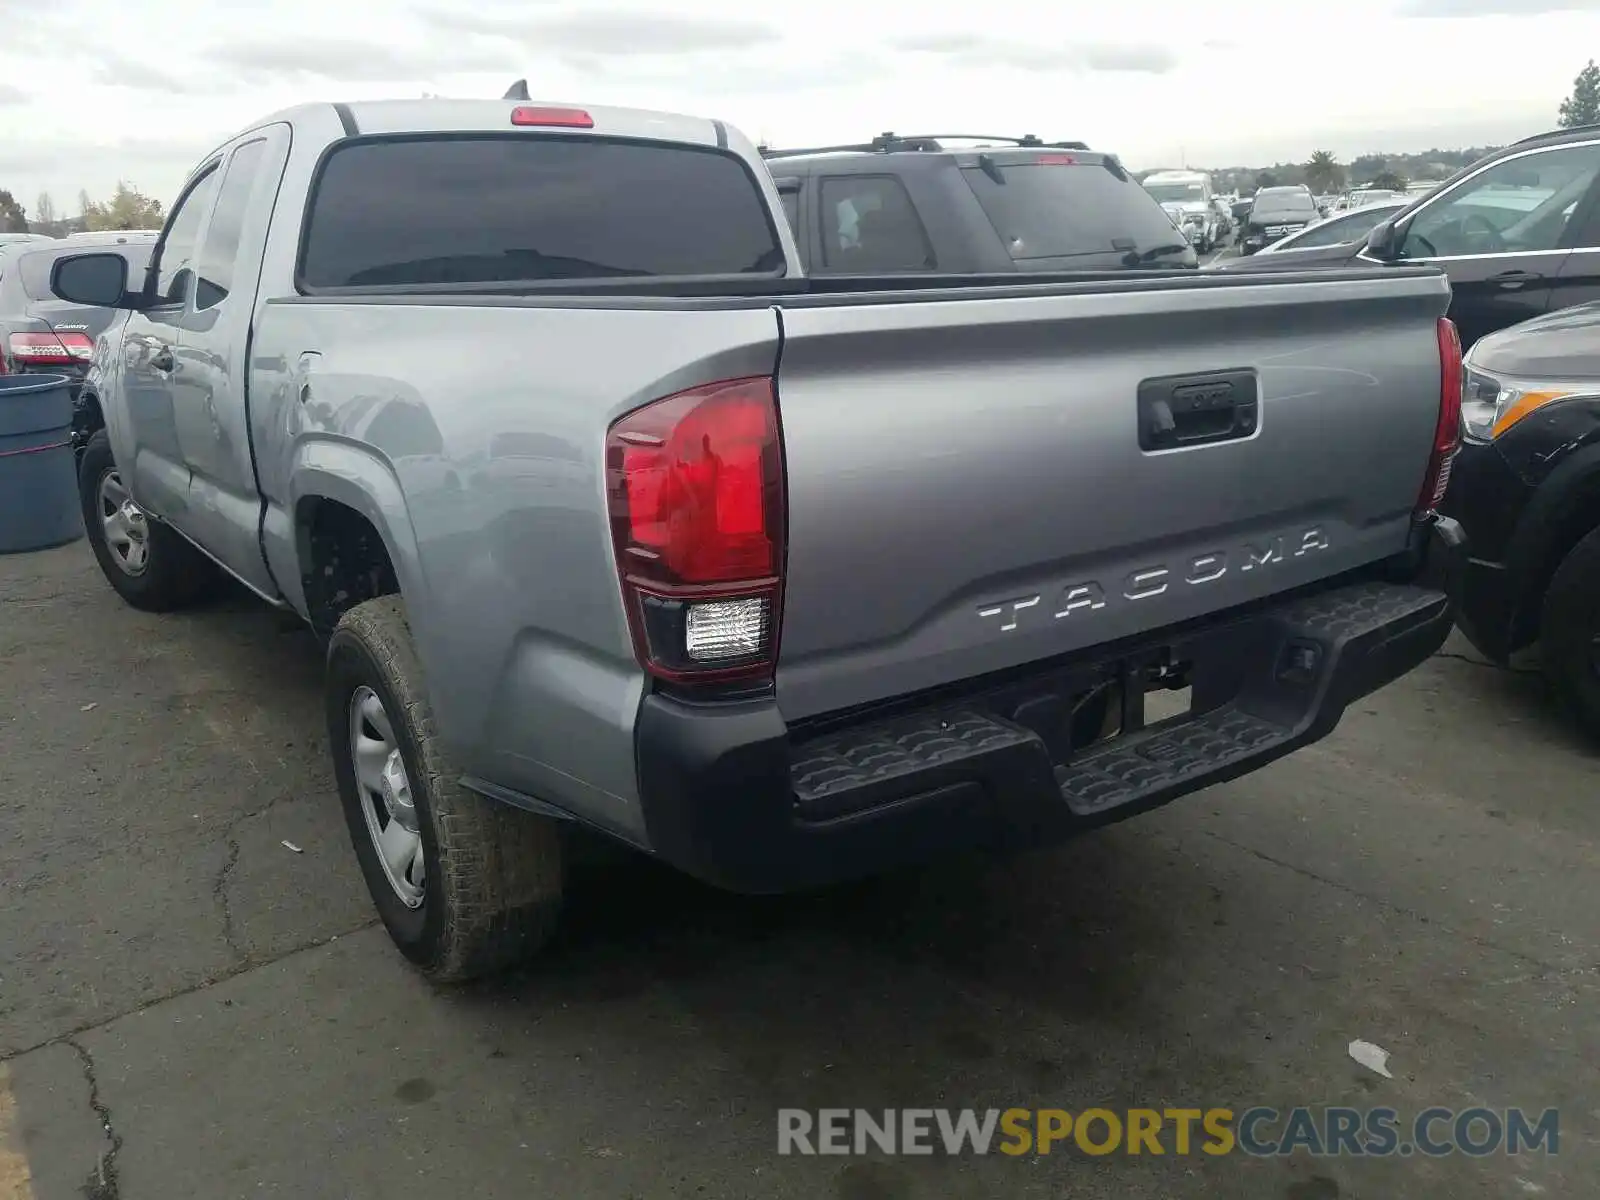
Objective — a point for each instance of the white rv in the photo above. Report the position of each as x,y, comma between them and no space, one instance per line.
1188,198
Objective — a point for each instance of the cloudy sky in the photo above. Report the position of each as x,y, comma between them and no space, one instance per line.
94,90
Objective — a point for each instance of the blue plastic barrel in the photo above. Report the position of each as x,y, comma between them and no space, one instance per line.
38,472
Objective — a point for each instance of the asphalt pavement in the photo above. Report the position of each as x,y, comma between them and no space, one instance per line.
195,1002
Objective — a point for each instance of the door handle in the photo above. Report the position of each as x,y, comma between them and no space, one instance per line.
1512,280
161,359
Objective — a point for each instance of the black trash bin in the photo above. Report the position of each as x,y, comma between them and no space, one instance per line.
38,471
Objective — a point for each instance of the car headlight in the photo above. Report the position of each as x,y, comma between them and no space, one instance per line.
1490,405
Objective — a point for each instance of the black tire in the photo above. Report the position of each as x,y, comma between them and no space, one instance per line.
493,875
1568,628
175,574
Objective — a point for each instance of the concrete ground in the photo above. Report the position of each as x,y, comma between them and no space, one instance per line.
190,1008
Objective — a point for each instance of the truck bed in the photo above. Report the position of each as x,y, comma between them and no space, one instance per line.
963,464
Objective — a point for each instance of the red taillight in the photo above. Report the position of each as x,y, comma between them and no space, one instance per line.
36,348
1447,432
560,118
695,482
1056,160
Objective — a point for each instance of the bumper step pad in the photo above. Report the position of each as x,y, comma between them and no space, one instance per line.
1366,634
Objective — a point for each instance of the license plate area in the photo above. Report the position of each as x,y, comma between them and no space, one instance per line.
1112,701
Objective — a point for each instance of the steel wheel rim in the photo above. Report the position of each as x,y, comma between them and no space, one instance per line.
127,530
387,802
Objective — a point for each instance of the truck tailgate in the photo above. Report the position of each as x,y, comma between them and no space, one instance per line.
968,491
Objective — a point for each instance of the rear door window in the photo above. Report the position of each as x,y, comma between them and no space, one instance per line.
871,227
1076,206
465,210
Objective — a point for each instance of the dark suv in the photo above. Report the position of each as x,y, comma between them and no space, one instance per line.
1517,232
1276,212
906,204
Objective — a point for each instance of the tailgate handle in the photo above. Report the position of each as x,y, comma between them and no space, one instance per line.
1197,410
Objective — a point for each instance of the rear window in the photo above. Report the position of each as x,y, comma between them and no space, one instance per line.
1048,211
34,269
488,210
1289,202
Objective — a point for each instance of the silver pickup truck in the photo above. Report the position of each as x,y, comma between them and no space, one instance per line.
609,516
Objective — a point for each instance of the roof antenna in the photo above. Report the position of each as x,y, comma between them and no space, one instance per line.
517,91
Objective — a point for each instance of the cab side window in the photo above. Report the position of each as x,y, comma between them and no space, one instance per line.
215,269
176,254
1522,204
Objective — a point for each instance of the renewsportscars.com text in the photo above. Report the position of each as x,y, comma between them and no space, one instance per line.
1259,1131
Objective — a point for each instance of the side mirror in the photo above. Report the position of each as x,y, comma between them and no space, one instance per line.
98,280
1383,242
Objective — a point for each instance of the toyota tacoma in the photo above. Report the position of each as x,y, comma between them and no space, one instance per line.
609,516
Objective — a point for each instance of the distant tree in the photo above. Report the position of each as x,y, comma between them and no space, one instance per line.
1323,172
44,210
13,217
1265,179
1388,181
1583,106
128,208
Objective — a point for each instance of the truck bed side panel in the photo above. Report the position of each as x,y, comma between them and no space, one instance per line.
967,490
491,419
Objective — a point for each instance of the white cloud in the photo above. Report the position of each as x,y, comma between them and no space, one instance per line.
97,90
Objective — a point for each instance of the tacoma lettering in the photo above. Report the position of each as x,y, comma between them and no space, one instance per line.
1155,580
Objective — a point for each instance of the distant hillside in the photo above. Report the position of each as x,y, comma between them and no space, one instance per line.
1427,167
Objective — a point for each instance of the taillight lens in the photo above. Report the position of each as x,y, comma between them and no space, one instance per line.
37,348
695,482
1447,432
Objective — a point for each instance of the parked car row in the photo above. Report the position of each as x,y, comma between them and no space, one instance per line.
1517,233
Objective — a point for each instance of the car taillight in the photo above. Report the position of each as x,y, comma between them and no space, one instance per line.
34,348
1447,432
696,490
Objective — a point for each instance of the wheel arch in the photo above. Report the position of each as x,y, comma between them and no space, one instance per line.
352,535
1564,510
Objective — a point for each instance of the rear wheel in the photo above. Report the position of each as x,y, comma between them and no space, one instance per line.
150,566
464,885
1569,638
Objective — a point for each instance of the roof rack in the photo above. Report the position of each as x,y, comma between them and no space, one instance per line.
1552,133
886,143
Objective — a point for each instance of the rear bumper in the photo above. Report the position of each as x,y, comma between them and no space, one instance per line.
733,796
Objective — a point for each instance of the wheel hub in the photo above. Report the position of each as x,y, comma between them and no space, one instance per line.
127,531
396,791
388,805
